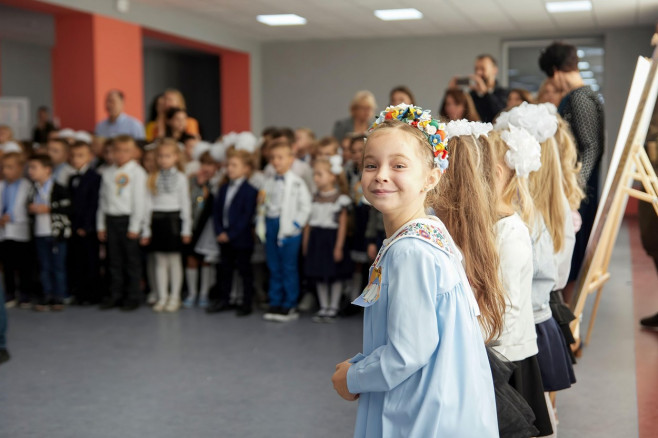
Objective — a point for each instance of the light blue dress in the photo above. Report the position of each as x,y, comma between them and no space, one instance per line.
424,371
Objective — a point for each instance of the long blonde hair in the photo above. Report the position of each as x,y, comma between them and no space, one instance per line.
516,191
546,190
152,182
571,179
465,203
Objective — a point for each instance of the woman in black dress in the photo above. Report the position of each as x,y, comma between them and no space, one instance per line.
582,108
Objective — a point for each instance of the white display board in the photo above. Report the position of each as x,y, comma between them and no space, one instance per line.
15,112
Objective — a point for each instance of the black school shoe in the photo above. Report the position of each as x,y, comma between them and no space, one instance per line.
108,303
243,311
129,306
217,306
650,322
4,355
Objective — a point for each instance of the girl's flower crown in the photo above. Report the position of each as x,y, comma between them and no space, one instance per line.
421,119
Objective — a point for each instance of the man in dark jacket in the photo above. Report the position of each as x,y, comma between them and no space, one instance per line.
488,96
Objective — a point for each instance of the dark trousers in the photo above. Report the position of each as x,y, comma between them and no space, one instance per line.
52,257
235,258
649,230
19,261
84,268
587,212
124,264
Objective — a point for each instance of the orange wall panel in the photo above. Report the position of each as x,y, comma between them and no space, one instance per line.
118,63
235,91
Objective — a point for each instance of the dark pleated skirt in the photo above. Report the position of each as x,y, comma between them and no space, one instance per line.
165,232
319,263
515,416
553,357
527,381
563,316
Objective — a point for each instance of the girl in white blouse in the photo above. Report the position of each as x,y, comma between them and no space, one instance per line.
168,224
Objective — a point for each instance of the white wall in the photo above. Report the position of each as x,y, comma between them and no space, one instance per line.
312,83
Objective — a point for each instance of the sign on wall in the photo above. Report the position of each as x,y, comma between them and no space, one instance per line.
15,112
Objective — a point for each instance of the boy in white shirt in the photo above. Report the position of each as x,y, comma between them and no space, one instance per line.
120,217
288,206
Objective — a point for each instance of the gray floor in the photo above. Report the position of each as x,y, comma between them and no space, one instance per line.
86,373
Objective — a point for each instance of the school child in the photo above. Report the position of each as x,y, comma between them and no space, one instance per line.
168,224
505,165
107,156
202,199
287,205
84,263
326,256
120,217
58,150
327,147
417,293
16,251
49,207
303,145
233,218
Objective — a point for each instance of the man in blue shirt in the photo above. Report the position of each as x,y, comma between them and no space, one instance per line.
117,122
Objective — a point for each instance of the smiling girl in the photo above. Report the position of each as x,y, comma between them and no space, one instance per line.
424,370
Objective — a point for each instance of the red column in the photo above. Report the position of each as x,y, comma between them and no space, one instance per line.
235,92
92,55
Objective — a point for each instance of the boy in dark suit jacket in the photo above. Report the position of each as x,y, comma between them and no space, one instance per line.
233,218
84,186
49,207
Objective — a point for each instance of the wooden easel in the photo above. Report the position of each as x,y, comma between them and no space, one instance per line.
634,165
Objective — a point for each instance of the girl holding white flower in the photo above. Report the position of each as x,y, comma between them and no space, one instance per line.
326,256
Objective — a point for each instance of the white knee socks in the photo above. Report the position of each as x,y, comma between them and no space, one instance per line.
206,280
192,277
336,293
168,266
323,295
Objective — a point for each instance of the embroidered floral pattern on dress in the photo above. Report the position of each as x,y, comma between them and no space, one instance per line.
430,232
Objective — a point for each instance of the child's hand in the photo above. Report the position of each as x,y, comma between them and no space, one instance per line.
223,238
80,232
4,220
145,241
339,379
186,240
372,251
132,236
38,209
102,236
338,255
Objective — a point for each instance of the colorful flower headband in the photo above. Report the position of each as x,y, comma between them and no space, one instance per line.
421,119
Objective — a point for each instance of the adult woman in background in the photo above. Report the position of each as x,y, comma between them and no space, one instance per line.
457,105
362,114
582,108
549,93
401,94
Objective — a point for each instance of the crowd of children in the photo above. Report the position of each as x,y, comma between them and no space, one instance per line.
157,217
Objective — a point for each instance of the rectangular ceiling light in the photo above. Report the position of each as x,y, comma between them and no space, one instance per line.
569,6
281,20
398,14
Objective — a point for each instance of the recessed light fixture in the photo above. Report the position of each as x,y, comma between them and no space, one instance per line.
398,14
570,6
281,20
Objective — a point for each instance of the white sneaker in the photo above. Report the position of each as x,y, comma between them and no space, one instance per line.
172,306
290,315
10,304
159,306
